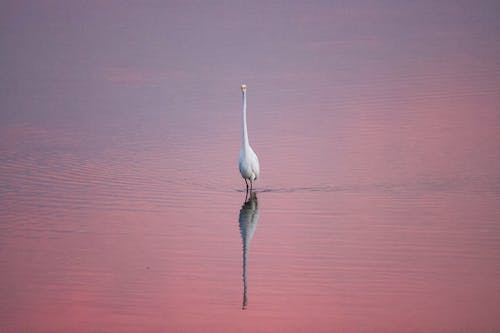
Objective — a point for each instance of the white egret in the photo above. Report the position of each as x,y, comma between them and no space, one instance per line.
248,162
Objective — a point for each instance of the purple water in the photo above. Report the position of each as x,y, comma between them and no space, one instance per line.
378,130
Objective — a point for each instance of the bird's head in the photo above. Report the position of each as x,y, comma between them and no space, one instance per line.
243,87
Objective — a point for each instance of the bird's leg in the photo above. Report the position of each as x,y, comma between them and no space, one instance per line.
246,182
251,185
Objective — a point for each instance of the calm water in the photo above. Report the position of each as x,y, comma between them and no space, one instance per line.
378,131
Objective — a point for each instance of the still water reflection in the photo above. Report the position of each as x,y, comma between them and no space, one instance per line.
248,219
378,131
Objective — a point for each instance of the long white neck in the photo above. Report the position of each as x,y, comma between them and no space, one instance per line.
244,142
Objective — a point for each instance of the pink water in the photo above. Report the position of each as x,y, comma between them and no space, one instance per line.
378,131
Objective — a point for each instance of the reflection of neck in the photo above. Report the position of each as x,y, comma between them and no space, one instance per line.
245,256
244,142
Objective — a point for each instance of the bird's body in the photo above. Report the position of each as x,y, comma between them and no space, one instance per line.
248,162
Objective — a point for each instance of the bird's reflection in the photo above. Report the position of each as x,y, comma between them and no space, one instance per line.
249,216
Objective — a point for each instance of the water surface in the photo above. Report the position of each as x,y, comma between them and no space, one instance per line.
378,131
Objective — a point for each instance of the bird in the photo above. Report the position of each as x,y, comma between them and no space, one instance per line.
248,162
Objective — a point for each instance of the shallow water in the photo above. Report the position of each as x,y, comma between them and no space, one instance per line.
378,132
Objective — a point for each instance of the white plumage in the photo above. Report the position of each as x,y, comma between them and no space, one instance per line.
248,162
